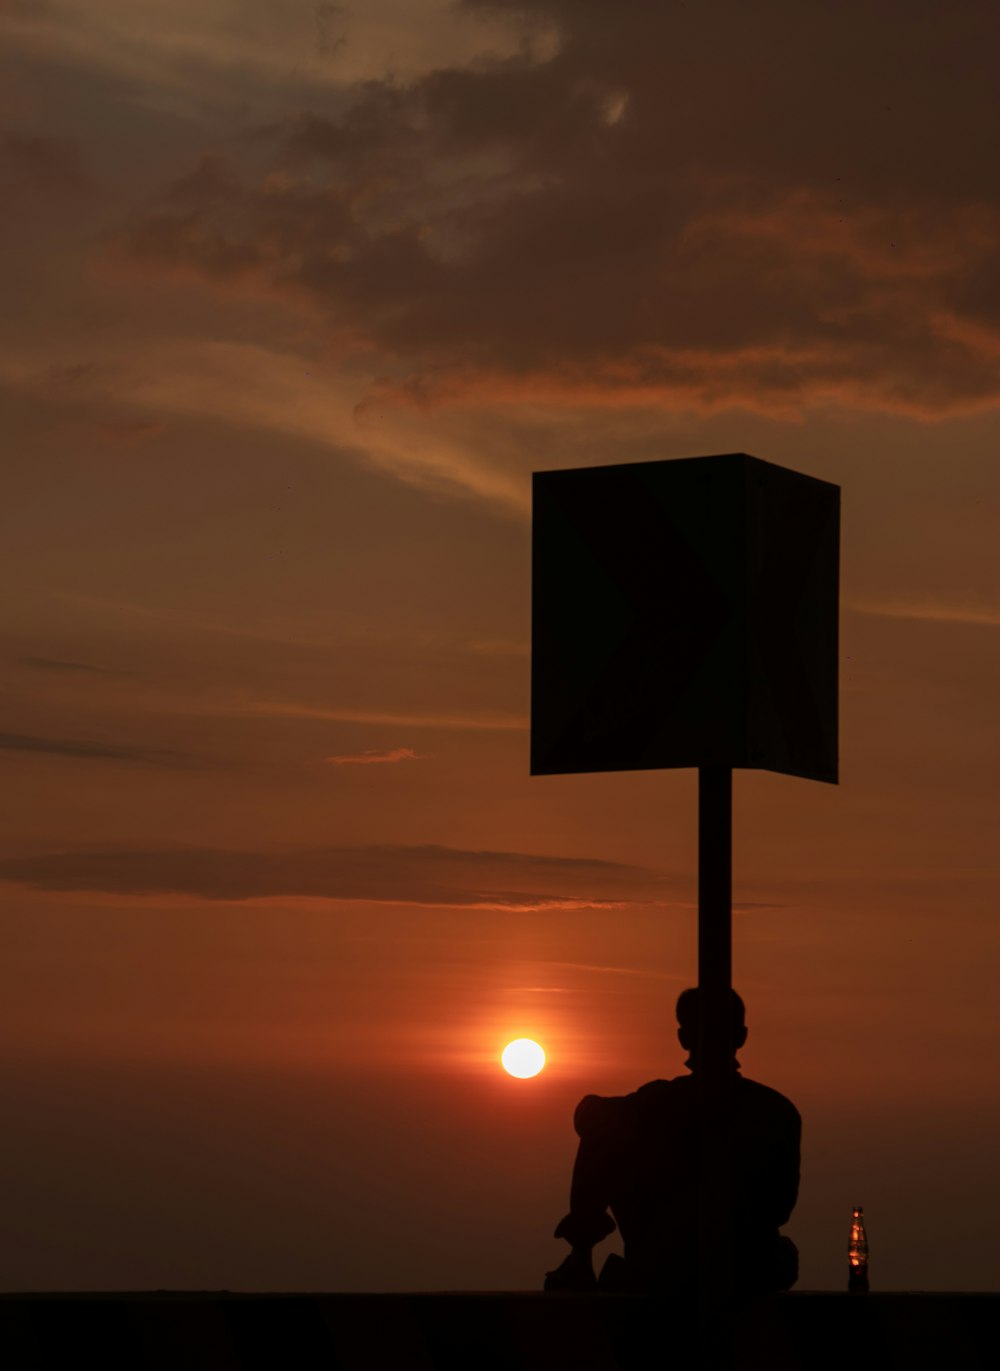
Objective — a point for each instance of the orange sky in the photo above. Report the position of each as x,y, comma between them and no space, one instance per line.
296,298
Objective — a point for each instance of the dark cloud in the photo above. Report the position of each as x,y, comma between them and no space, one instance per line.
428,875
683,206
39,165
64,747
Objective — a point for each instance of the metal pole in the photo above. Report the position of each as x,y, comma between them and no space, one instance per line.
715,1048
715,916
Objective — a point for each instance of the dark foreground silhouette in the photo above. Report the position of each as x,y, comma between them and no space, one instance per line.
639,1157
504,1331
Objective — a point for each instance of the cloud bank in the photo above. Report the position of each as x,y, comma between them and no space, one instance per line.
689,208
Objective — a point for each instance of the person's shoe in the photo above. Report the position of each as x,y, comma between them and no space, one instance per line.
614,1277
575,1273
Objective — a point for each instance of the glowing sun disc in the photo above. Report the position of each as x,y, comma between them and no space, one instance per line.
522,1058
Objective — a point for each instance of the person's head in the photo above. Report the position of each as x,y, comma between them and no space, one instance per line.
689,1021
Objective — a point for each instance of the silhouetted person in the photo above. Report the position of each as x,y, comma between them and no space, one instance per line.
638,1157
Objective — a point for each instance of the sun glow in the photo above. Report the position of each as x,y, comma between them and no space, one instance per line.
522,1058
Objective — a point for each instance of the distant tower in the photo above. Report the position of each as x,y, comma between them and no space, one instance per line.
857,1254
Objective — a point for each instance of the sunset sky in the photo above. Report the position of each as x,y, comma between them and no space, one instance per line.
297,296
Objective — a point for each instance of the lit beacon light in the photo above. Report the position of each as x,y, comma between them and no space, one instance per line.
522,1058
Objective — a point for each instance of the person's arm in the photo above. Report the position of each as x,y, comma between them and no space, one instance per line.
787,1171
588,1221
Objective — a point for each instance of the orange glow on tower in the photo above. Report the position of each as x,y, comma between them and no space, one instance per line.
857,1253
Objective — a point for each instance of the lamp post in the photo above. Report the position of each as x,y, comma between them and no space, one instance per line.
685,614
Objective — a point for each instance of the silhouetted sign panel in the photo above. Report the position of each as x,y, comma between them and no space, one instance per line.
684,613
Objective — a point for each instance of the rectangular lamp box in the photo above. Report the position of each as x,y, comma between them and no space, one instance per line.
685,614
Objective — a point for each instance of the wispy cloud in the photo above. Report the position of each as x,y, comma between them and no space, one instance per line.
591,969
183,621
936,611
127,432
500,647
56,664
487,721
66,747
429,875
185,49
372,756
540,990
278,391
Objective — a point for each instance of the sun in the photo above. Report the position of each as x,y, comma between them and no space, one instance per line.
522,1058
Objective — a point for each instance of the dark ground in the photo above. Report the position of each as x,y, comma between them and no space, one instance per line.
489,1332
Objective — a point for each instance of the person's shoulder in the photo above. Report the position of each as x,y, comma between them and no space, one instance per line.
653,1090
659,1099
597,1114
766,1097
